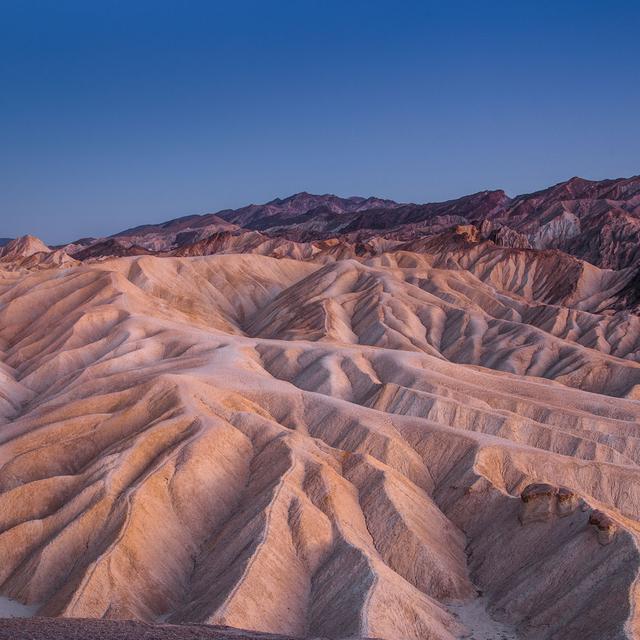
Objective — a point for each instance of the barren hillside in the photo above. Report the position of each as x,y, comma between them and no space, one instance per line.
417,444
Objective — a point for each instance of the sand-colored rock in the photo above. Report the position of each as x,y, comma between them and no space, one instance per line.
22,248
605,525
322,449
541,502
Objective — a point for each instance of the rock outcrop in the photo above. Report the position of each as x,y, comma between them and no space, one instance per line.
541,502
605,526
22,247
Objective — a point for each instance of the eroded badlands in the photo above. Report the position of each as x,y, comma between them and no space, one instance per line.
400,446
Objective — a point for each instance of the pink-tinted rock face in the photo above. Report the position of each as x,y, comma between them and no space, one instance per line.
538,503
541,502
22,248
538,491
595,221
265,427
568,502
75,629
605,526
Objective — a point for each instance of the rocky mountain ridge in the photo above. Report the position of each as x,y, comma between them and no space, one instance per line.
596,221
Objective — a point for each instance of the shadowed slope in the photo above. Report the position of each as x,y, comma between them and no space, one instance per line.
313,450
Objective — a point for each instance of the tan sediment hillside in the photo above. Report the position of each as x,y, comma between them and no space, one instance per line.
403,446
92,629
23,248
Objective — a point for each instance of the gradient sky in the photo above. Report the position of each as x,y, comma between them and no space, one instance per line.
118,113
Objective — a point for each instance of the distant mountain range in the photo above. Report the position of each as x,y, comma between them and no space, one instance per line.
359,419
596,221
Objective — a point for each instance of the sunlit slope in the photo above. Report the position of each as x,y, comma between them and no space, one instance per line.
319,449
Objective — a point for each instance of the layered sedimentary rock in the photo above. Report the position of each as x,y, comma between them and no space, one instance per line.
30,253
595,221
91,629
401,444
22,248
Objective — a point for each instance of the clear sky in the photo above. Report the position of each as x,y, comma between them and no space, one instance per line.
120,112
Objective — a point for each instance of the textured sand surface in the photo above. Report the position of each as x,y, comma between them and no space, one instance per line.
74,629
12,609
475,617
324,449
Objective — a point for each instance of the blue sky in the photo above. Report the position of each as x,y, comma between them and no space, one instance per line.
118,113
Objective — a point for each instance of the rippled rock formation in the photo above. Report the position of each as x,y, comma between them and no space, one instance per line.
398,438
